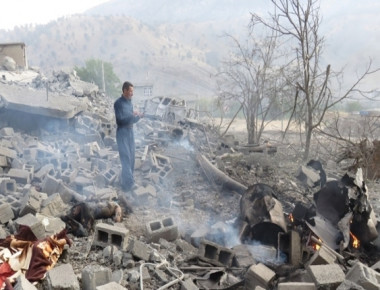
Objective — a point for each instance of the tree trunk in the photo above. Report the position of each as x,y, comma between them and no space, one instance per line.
307,144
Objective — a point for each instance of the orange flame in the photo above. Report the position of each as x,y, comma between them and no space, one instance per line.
355,241
291,217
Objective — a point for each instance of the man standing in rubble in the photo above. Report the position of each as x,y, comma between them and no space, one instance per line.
125,118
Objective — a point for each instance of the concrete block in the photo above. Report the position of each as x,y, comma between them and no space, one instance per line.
322,257
185,247
243,257
364,276
106,234
296,286
3,233
23,284
215,254
52,225
139,250
326,276
81,182
50,184
33,223
29,154
62,277
20,175
68,175
6,213
31,203
30,169
94,276
4,162
349,285
164,228
259,275
295,249
53,205
43,171
107,177
110,286
7,152
7,185
263,253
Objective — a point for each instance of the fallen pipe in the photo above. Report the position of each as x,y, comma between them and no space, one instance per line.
219,177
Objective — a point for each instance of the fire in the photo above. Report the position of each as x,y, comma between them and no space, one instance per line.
355,241
291,217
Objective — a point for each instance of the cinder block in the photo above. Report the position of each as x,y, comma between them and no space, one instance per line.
69,175
215,254
259,275
52,225
106,235
31,203
326,276
30,169
33,223
53,205
322,257
20,175
7,185
94,276
109,176
295,250
165,229
243,257
6,213
50,184
364,276
3,234
4,162
296,286
43,171
7,152
139,250
62,277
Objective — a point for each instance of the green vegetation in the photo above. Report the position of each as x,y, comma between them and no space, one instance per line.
101,73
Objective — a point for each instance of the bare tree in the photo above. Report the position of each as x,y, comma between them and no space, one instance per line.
250,78
299,22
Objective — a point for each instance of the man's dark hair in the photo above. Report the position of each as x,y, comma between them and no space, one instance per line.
126,86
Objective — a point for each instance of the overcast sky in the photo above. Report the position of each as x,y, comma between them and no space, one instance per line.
21,12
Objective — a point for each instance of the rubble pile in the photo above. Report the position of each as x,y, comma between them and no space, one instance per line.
208,212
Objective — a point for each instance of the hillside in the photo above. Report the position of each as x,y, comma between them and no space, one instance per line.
178,46
138,52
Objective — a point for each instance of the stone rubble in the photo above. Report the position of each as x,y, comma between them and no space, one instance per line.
179,234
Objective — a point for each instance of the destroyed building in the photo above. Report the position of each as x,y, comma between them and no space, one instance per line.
209,212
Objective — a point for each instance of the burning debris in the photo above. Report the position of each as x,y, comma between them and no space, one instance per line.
207,213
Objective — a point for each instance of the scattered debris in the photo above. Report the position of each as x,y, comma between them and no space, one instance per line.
207,213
